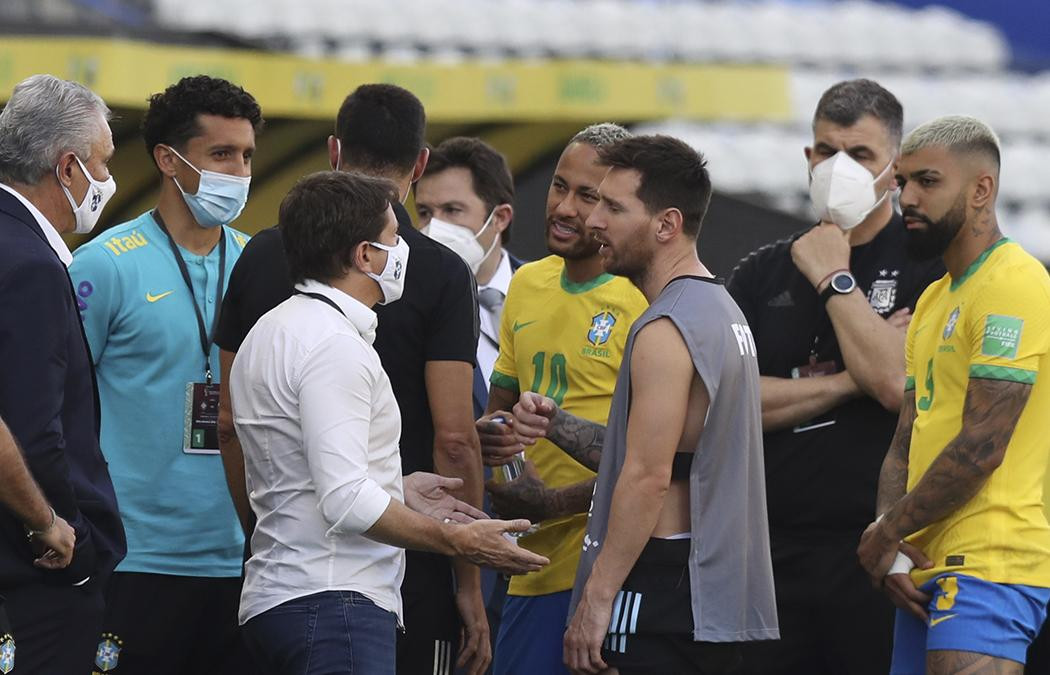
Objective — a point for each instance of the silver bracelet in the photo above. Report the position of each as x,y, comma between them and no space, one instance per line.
37,533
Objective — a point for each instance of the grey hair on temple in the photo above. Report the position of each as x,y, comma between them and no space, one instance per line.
45,118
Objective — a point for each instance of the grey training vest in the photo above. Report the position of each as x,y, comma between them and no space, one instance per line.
730,570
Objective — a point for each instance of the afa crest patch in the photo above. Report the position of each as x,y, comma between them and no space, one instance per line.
883,295
601,328
108,653
7,653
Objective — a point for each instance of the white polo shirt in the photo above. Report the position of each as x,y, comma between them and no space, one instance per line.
319,426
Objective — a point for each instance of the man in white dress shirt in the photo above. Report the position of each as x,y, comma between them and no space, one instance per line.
465,201
320,430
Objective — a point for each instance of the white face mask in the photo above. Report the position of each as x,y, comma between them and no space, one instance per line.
843,191
462,240
392,280
220,197
98,193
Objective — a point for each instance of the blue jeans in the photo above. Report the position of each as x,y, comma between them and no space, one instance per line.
329,633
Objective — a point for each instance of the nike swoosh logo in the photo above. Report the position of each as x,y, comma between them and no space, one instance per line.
154,298
934,622
519,326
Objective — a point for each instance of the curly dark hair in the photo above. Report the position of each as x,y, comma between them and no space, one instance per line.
172,115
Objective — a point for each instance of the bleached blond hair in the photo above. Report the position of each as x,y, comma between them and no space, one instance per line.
958,133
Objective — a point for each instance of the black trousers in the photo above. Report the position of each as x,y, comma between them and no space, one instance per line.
55,628
431,640
832,622
158,624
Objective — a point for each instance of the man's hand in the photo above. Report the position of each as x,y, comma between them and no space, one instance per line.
901,589
499,444
532,417
900,319
527,496
54,547
476,652
482,543
586,631
821,251
428,493
878,547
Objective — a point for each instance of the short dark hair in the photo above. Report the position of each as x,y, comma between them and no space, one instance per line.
846,102
489,172
171,118
673,175
326,215
381,128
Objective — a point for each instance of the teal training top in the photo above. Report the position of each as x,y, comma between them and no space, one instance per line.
145,343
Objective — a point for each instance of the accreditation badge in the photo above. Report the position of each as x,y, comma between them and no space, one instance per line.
814,369
200,433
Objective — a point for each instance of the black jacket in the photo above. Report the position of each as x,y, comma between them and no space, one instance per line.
49,400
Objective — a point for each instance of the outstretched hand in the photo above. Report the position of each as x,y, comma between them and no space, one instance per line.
482,542
429,494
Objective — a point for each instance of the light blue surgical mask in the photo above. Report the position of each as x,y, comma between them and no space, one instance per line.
220,197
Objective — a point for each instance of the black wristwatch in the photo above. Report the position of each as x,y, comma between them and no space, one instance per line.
841,283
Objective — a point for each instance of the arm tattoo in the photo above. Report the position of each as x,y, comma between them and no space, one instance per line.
893,479
580,438
989,416
944,661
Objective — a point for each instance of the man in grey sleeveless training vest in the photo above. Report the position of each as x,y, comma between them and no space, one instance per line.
676,564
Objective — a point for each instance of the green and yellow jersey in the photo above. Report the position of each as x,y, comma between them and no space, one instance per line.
991,323
565,341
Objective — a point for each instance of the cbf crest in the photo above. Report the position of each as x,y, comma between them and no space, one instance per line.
883,293
949,327
601,328
7,653
108,654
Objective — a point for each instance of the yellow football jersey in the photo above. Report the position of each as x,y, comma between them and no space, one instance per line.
565,341
991,323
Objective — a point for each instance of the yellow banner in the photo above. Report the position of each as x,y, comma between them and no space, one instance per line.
125,72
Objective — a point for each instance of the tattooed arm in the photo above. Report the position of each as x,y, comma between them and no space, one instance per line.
990,414
580,438
538,417
893,479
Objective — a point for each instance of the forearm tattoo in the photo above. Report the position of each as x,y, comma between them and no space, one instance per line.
580,438
893,478
990,414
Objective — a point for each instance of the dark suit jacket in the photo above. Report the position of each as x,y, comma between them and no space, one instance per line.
481,392
49,400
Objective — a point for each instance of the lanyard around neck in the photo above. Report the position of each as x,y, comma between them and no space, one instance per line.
323,298
206,339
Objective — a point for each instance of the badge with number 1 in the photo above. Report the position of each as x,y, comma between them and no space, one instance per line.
200,435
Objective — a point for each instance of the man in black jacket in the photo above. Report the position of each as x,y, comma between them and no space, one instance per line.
54,146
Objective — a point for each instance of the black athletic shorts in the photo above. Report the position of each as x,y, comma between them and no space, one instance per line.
652,622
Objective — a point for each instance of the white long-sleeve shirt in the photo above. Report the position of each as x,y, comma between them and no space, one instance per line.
319,426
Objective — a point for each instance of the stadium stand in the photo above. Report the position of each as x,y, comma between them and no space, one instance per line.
935,59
